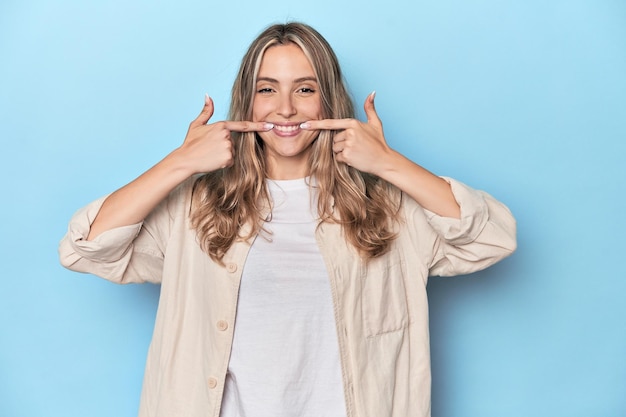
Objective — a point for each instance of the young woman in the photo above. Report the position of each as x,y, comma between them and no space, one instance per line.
293,248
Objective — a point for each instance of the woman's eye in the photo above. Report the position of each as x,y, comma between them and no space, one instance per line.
266,90
307,90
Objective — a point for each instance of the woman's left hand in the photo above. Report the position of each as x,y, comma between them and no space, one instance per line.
357,144
363,146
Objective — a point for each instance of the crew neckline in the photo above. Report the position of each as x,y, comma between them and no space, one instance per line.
291,184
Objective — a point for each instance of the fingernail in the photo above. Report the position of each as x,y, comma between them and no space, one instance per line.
268,126
373,94
207,99
305,125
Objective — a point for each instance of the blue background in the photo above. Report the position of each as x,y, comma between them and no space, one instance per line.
525,99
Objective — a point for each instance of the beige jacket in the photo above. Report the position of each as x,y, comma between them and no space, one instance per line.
380,307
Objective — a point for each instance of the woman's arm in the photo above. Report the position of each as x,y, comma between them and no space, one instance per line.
430,191
207,147
363,146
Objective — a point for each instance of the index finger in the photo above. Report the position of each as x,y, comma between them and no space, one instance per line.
328,124
245,126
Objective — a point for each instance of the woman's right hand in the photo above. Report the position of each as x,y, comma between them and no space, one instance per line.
209,147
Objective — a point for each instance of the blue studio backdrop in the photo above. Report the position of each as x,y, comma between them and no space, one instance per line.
524,99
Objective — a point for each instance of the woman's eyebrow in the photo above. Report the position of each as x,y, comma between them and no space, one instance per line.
297,80
303,79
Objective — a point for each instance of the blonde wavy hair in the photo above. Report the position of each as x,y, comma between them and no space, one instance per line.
230,203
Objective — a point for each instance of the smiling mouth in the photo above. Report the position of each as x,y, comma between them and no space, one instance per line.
287,129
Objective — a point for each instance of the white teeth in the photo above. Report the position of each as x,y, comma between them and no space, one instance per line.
286,129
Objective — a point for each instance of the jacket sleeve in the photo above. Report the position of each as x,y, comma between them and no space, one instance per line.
128,254
485,233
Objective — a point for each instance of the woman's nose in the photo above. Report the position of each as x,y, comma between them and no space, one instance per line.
286,106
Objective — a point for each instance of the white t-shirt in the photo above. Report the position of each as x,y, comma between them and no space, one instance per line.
285,355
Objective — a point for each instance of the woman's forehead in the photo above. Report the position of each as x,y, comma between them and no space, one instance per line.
285,61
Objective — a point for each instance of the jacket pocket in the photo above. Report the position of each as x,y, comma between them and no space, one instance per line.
384,301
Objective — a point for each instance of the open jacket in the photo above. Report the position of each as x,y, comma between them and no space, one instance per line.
380,306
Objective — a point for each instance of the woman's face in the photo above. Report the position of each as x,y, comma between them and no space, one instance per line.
286,95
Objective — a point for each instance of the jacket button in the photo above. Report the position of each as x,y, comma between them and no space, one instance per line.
212,382
222,325
231,267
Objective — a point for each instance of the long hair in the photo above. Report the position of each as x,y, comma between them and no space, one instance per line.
230,200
